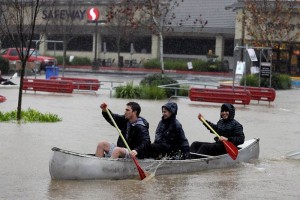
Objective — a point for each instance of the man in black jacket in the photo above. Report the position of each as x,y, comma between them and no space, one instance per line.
135,130
170,139
228,129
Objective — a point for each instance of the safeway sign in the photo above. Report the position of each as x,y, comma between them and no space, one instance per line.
93,14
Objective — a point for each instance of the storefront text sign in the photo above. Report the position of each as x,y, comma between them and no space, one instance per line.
63,14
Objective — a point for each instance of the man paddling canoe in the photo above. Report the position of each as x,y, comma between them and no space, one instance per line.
230,132
135,130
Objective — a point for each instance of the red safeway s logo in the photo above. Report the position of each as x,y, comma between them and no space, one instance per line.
93,14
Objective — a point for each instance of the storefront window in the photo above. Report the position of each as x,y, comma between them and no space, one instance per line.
188,46
229,47
76,43
286,58
140,44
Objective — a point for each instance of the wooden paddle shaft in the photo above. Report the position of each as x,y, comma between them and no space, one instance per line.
116,126
204,121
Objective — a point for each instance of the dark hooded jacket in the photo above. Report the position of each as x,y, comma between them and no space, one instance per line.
229,128
170,134
136,134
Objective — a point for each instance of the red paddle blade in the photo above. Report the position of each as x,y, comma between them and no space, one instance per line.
140,170
231,149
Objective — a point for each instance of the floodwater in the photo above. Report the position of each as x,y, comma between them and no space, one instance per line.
25,149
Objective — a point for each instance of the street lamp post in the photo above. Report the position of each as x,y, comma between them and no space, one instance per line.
93,15
96,63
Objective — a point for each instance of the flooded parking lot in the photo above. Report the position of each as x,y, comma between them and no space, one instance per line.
25,148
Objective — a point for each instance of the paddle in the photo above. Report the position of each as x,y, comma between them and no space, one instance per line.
292,154
230,148
140,170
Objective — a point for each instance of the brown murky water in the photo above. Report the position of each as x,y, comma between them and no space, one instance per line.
25,149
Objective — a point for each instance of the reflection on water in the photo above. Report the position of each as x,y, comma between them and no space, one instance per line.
166,187
25,149
226,182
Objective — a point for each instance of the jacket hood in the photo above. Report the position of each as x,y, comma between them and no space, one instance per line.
231,109
171,107
141,121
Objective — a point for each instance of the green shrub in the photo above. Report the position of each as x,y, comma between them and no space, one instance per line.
281,81
183,91
152,92
4,66
152,64
81,61
30,115
181,64
175,65
60,60
251,80
129,91
159,79
278,81
213,68
200,65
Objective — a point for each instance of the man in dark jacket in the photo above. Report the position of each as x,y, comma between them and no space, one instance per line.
228,129
170,139
135,130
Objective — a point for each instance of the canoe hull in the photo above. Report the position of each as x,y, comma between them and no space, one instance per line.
70,165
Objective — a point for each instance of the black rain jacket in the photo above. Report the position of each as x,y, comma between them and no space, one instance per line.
229,128
136,134
169,132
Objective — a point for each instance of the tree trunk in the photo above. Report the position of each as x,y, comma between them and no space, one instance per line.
23,63
161,52
120,62
64,54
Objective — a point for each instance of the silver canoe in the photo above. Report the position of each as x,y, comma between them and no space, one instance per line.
70,165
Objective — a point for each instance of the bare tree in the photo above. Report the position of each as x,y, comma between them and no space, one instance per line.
155,16
18,22
161,18
269,22
120,15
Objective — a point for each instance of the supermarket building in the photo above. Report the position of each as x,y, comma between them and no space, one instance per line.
187,42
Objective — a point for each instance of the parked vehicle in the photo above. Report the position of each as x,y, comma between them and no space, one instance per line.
11,54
